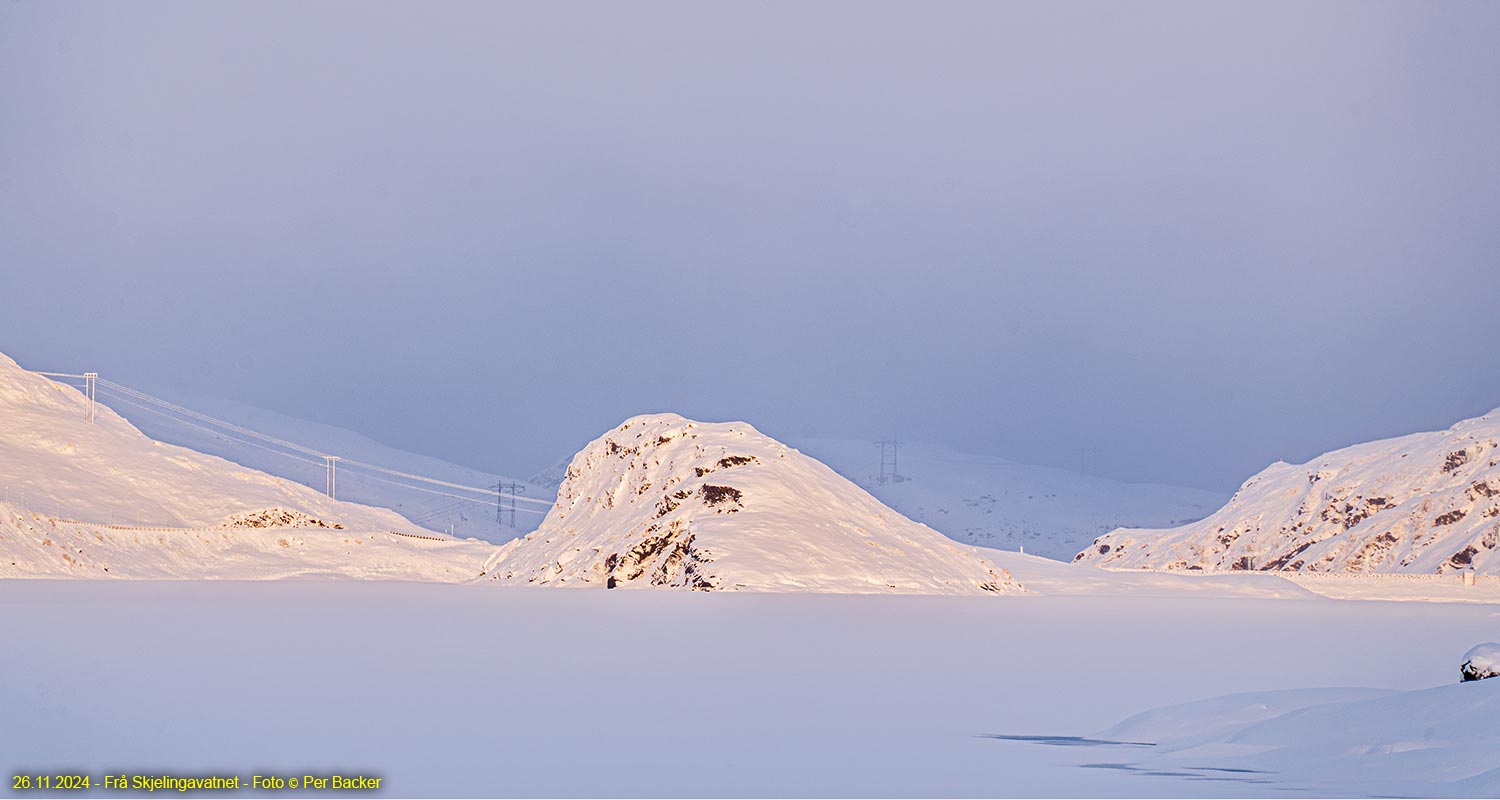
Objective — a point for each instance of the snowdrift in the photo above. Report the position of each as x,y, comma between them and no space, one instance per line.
1443,741
662,501
1424,503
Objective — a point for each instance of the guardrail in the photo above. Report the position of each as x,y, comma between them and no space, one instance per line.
1409,576
217,528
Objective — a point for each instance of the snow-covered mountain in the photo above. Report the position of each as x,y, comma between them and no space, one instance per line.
665,501
104,500
1423,503
992,502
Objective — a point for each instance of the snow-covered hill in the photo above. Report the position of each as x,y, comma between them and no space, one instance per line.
104,500
991,502
664,501
1424,503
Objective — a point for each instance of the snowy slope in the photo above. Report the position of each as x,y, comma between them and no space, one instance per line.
1424,503
664,501
991,502
103,500
1443,741
434,508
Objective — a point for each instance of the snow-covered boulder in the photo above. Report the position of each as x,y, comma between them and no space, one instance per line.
664,501
1483,661
1424,503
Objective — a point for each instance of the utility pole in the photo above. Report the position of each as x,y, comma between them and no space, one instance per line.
505,497
333,474
90,389
889,448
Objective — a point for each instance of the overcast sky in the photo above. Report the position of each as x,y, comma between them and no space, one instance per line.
1196,238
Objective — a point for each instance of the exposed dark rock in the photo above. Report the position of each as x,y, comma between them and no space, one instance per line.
279,518
718,495
1450,517
1462,558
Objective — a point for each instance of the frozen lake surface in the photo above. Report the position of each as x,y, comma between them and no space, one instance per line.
482,690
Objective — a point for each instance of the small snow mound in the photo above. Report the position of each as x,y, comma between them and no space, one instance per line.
1483,661
278,518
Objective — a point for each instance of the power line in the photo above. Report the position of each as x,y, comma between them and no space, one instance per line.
435,491
208,430
436,482
443,510
89,390
324,457
460,499
213,420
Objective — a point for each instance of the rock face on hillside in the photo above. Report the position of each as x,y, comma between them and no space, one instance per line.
1424,503
662,501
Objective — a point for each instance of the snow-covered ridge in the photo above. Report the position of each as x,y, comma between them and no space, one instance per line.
665,501
1423,503
111,472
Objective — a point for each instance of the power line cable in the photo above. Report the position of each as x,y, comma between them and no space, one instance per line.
212,420
125,394
432,491
459,499
310,451
211,430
